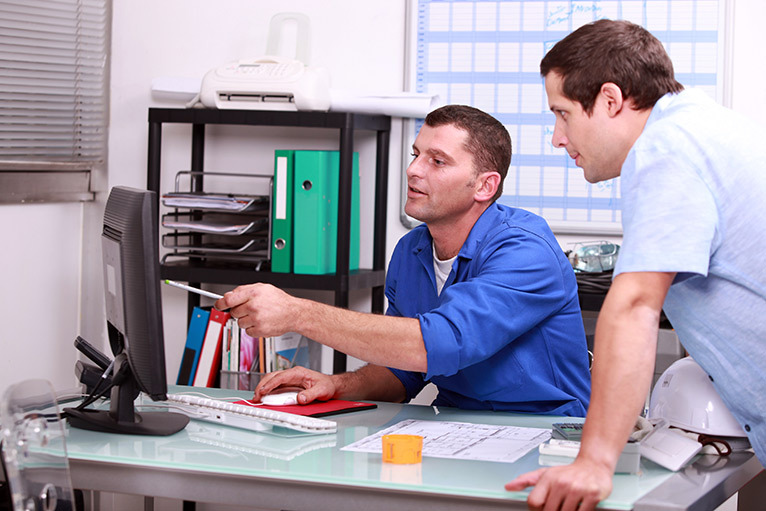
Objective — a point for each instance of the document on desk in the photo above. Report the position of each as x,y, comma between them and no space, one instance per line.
461,440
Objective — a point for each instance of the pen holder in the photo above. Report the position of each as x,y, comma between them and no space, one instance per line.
240,380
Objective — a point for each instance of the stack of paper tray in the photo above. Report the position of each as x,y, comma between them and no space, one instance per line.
219,225
215,224
213,244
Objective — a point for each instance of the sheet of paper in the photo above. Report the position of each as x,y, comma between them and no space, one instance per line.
461,440
399,104
210,201
209,227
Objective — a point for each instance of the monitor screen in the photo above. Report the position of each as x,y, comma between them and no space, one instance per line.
130,251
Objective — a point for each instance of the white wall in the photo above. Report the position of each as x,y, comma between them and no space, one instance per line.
51,257
748,93
40,263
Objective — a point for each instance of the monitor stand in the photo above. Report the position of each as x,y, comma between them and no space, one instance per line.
146,423
122,416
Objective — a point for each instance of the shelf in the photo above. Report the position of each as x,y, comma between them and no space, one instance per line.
191,271
335,120
340,282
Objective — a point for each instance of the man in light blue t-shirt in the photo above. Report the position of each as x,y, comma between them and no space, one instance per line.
693,181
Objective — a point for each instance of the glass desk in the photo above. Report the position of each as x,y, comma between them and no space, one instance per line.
217,464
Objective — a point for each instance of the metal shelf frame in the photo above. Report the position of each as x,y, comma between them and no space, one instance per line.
195,272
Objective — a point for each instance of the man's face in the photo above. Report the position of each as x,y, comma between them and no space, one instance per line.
589,139
441,178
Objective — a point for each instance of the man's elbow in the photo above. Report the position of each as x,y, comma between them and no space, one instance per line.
640,295
420,361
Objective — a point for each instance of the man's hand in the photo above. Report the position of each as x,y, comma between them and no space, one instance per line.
579,486
262,310
317,386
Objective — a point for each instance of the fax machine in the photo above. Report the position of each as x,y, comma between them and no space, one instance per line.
267,83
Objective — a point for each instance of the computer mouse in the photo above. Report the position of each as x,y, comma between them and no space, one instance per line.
280,399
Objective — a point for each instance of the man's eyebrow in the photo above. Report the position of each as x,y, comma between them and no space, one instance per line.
435,153
438,153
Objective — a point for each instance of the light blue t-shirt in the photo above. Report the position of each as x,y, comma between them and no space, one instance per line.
693,188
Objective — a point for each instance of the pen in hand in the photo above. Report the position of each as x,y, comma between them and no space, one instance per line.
197,290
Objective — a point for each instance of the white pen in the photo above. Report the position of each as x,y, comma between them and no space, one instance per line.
197,290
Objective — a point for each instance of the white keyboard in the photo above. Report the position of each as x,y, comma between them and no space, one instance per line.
247,417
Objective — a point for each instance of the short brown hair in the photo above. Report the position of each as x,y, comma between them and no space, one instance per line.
488,140
619,52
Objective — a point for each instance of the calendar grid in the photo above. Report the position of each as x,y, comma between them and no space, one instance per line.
487,54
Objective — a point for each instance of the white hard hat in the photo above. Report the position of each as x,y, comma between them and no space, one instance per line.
686,398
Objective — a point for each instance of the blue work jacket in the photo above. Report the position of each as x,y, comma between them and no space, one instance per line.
506,332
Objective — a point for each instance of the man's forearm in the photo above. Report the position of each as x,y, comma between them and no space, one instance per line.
624,354
377,339
369,382
620,382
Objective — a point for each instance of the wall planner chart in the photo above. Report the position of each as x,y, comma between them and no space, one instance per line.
487,54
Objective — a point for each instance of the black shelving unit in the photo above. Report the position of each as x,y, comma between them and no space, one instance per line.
196,271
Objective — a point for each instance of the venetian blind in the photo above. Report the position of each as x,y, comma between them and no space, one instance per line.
53,83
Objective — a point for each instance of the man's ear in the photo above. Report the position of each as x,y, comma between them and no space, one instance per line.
611,94
487,184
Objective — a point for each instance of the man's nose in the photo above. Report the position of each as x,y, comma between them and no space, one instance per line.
558,139
414,167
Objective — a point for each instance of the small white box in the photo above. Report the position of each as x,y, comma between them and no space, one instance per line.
668,449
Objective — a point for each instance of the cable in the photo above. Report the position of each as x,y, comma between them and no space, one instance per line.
218,398
95,394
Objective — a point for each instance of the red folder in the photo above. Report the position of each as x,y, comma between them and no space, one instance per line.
210,357
317,408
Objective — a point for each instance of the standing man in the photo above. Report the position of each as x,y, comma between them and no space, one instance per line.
481,299
693,180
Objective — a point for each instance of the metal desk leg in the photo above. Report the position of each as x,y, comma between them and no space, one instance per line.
753,494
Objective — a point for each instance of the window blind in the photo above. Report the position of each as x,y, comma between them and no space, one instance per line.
53,89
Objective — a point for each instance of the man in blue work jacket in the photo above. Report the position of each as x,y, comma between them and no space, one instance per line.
481,299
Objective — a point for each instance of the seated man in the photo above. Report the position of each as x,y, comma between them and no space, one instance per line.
481,299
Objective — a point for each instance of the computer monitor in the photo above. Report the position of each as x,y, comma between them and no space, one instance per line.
130,251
